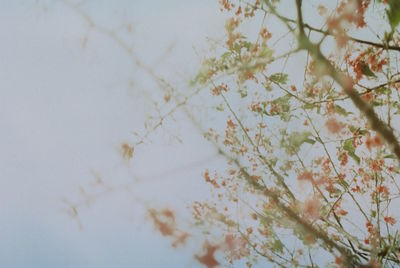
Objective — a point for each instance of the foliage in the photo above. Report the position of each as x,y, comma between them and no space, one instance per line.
310,136
314,165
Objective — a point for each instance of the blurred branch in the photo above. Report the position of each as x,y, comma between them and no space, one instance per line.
346,83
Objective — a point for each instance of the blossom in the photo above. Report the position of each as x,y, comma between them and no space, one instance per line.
306,176
382,189
373,142
180,239
311,208
236,246
341,212
333,125
208,258
389,220
127,151
216,91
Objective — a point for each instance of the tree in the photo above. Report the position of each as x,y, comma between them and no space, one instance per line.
309,93
309,98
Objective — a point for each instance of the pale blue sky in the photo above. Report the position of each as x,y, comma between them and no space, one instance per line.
64,111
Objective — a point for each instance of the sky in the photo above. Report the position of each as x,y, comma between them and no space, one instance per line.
69,95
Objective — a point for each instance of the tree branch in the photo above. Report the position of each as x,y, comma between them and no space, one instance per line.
346,83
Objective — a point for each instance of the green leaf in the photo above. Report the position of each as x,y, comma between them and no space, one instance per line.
309,106
243,92
351,151
226,55
365,70
391,156
204,72
393,13
220,107
283,102
376,103
285,116
373,213
383,90
336,193
279,78
341,110
247,45
277,246
265,52
354,129
296,139
310,141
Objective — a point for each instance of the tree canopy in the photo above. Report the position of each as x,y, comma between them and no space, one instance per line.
309,96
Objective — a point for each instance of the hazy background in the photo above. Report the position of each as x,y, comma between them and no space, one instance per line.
69,95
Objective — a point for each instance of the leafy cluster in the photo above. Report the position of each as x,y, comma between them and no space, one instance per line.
311,134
